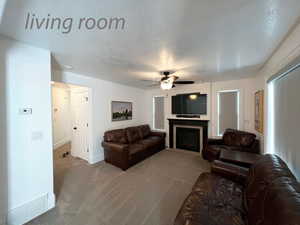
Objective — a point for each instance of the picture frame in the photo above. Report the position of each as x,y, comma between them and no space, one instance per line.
121,111
259,111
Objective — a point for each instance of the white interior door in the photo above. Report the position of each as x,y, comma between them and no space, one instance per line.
80,120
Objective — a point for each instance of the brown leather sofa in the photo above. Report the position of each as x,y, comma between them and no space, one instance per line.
233,140
267,194
126,147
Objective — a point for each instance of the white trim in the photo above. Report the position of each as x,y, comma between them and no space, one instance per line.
238,110
270,148
285,71
218,114
30,210
96,158
90,130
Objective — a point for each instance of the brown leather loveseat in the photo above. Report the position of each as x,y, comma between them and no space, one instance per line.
126,147
233,140
267,194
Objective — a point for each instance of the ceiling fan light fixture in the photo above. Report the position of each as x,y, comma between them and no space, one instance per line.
167,84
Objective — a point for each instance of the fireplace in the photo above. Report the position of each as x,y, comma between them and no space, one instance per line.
188,138
188,134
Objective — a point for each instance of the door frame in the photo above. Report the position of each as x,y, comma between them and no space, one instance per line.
89,114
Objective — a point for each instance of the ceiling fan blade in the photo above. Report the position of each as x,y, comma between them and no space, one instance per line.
184,82
153,85
152,81
175,78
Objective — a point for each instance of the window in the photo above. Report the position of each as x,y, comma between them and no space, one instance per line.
159,112
283,117
228,110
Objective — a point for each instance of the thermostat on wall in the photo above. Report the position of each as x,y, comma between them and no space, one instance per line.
25,111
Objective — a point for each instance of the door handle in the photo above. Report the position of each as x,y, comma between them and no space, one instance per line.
74,128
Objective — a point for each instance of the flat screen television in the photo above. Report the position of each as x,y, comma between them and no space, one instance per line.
189,104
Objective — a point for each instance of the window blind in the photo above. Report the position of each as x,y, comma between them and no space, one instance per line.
286,118
159,113
228,111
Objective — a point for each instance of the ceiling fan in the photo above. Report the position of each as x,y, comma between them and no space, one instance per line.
168,80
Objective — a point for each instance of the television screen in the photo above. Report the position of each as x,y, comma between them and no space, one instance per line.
189,104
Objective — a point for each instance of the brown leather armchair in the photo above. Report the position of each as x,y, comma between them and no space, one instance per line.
233,140
126,147
267,194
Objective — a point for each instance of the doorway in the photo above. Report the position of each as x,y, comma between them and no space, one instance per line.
71,120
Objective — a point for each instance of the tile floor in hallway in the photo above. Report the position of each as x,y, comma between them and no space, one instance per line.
149,193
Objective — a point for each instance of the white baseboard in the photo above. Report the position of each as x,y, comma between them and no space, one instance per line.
96,158
61,143
31,210
51,201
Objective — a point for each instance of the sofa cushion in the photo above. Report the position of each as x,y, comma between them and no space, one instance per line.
148,142
155,138
135,148
133,134
144,131
261,177
116,136
219,148
284,198
213,201
233,137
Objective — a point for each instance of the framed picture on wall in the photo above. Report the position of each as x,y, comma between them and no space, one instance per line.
121,111
259,111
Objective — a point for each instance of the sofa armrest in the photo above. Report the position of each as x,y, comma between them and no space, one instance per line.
157,133
214,141
230,171
115,147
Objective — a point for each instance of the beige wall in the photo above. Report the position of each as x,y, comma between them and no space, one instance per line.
286,53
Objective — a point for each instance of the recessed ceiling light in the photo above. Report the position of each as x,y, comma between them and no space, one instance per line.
68,67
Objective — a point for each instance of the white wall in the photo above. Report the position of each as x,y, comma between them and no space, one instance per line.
204,88
3,136
29,137
102,93
3,147
247,88
61,116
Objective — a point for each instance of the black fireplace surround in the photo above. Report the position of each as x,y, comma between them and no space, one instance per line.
188,138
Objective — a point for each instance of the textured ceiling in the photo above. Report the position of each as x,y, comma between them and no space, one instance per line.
202,39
